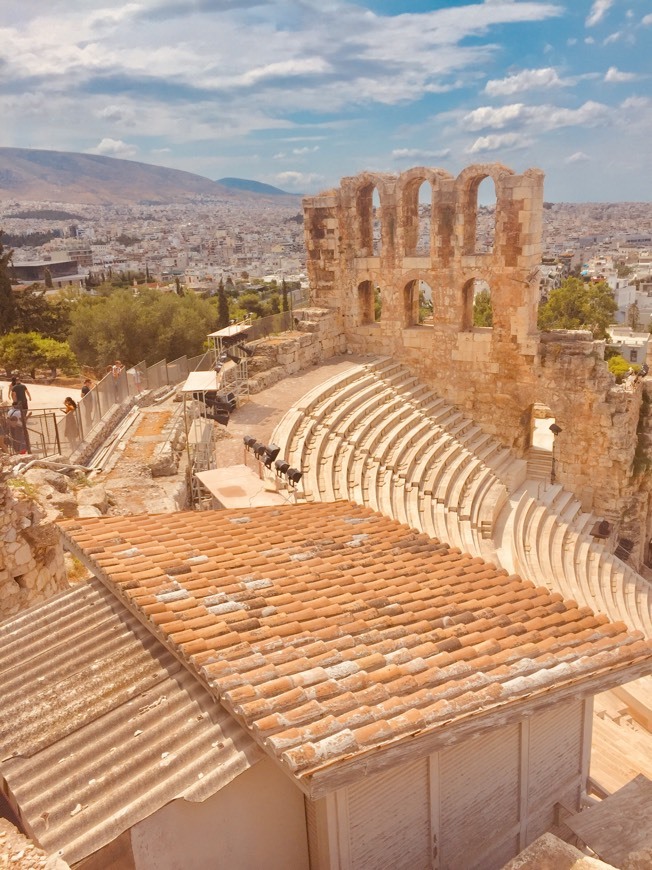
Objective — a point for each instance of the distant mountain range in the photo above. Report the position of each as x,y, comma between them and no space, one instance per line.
253,186
28,174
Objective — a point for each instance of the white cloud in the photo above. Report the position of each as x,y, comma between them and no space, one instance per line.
114,148
498,141
526,80
117,114
577,157
615,75
487,116
613,37
647,19
419,154
598,11
286,69
536,118
296,152
298,180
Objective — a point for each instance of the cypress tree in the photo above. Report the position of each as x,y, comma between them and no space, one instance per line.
7,302
222,306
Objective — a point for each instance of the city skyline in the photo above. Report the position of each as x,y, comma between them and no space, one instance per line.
298,94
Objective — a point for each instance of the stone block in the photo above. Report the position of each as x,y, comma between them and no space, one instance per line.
89,510
95,496
65,504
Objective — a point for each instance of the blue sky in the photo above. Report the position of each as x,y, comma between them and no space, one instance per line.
298,93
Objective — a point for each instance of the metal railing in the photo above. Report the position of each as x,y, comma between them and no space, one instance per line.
53,431
270,325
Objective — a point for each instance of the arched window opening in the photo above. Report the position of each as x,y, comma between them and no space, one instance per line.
376,226
417,217
541,451
483,314
426,313
477,305
424,203
378,305
366,302
485,225
417,303
364,209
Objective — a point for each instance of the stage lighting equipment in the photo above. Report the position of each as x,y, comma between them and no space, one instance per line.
249,442
281,466
272,451
259,449
294,475
555,429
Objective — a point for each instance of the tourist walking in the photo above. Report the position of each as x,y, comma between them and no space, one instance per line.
16,420
70,428
20,394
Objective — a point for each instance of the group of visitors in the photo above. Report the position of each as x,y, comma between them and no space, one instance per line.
14,432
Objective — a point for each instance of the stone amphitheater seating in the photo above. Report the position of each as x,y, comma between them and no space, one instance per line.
377,436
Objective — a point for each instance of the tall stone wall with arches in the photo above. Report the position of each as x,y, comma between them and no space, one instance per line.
377,242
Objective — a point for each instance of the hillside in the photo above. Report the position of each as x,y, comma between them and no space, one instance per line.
56,176
253,186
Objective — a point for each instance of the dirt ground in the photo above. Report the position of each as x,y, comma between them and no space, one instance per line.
127,477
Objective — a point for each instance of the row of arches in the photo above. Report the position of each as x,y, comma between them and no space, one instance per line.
418,305
424,214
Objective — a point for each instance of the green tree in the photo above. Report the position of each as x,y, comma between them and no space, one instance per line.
579,304
634,316
150,326
28,351
7,303
483,314
48,315
284,293
623,270
252,303
222,306
47,278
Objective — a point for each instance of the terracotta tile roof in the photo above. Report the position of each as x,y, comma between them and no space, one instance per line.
328,630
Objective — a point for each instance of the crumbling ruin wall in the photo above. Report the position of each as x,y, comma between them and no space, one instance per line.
31,555
360,254
316,337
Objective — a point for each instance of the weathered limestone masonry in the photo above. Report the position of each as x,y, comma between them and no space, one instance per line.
496,374
317,336
31,556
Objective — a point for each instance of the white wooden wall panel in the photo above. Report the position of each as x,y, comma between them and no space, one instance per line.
312,831
555,764
389,820
479,793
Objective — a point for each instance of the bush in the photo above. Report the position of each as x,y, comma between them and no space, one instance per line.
619,367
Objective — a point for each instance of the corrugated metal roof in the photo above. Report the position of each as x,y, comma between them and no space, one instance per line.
100,725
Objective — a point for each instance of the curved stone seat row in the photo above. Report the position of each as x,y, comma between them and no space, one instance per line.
551,545
377,436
